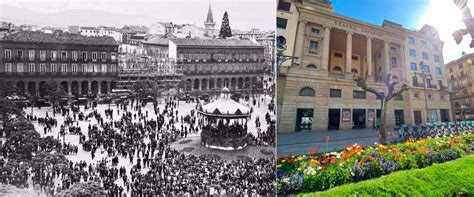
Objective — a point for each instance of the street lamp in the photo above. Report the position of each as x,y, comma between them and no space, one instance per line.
424,76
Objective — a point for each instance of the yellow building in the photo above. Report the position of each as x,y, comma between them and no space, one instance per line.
460,74
316,88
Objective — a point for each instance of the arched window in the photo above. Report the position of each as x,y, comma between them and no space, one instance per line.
337,70
307,91
311,66
354,70
281,42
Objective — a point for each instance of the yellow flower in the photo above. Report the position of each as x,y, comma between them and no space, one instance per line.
278,166
292,156
300,158
298,169
283,161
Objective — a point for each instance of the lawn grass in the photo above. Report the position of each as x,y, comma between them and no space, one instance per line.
446,179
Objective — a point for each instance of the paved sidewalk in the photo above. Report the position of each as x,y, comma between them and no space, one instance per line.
301,142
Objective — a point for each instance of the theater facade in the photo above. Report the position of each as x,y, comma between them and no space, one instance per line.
327,51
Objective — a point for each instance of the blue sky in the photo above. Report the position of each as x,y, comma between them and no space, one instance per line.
412,14
408,13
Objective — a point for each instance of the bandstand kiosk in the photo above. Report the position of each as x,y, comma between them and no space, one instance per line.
224,123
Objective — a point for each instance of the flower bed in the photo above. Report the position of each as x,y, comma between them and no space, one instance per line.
318,172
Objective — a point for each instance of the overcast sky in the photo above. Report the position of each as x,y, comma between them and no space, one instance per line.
243,14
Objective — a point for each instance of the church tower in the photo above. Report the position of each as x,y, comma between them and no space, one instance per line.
209,23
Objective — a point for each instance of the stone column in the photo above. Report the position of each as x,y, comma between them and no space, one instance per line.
69,89
200,84
89,90
299,45
386,62
349,55
208,84
109,90
37,88
369,59
215,83
326,43
79,86
403,63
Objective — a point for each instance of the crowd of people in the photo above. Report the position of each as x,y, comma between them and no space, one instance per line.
129,136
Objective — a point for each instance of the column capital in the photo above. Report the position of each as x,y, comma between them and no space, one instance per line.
369,37
385,42
327,27
349,32
304,21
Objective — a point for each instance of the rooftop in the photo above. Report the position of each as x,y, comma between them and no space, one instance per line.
157,40
214,42
58,38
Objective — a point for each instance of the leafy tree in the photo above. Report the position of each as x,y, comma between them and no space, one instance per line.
54,91
85,189
225,27
7,88
385,98
8,112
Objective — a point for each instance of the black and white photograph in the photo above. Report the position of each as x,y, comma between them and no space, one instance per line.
137,98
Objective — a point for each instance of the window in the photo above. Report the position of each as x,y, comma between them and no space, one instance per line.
31,68
19,54
43,68
74,55
335,93
113,56
456,104
315,31
438,71
440,83
84,68
394,61
53,55
94,56
113,68
430,96
103,56
311,66
63,68
413,66
281,23
285,6
338,55
398,98
337,70
63,55
281,42
355,58
307,91
8,54
426,68
358,94
435,47
460,66
467,101
415,81
54,68
393,49
74,68
411,40
19,67
8,67
428,83
104,68
412,53
416,95
43,55
425,56
31,55
313,47
436,58
84,55
441,97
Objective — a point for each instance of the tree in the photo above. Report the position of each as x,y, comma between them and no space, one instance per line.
54,91
8,113
7,88
467,20
225,27
384,98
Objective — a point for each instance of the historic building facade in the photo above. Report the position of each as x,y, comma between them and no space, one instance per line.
460,75
211,64
81,65
327,51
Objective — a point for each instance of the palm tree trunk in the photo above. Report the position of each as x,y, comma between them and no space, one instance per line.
383,129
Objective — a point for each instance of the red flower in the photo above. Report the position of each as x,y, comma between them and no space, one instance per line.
370,158
333,160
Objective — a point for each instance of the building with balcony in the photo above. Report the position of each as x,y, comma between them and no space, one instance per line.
81,65
460,74
316,87
211,64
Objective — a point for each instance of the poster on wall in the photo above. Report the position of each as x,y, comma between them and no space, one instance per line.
371,114
346,115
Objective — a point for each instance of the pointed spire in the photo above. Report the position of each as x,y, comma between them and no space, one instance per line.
209,18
